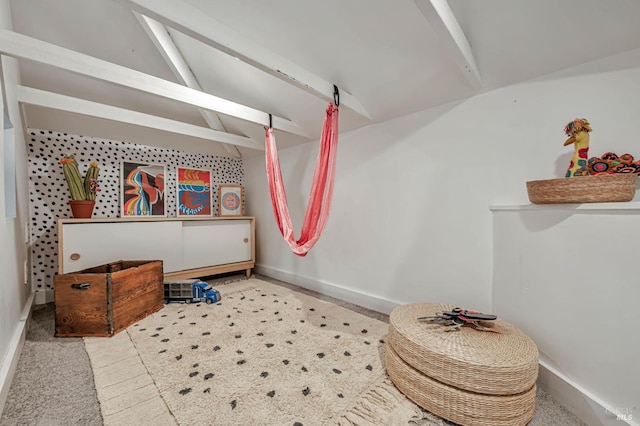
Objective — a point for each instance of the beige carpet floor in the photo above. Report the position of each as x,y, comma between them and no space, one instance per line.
54,380
263,354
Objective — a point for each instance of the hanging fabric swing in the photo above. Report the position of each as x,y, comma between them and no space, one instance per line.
319,203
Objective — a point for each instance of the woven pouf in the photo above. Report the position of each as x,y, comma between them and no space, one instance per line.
467,376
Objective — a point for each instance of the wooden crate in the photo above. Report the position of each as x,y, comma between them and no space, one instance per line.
105,300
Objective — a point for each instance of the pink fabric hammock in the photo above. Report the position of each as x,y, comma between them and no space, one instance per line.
319,203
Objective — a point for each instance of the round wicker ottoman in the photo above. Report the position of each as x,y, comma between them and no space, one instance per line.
467,376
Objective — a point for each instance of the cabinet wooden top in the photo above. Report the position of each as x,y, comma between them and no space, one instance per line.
152,219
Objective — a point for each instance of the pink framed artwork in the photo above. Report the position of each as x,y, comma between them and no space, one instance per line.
230,201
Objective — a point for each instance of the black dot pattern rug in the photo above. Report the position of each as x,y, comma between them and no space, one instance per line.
268,355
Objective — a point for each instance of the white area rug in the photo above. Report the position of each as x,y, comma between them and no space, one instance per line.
263,355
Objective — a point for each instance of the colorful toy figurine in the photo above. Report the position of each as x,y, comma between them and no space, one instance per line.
578,133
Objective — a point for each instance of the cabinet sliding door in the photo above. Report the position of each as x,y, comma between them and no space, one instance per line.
86,245
215,242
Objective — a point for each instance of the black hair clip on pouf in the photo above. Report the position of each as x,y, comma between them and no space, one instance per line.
457,317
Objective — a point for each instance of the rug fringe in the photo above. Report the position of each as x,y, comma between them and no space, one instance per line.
384,405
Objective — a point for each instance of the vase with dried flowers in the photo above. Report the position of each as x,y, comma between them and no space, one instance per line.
83,191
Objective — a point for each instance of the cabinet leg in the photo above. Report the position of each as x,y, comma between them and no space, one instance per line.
248,273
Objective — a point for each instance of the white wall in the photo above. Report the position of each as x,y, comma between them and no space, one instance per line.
15,293
410,219
402,228
566,276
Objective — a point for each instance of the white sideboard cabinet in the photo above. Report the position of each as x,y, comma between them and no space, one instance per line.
188,247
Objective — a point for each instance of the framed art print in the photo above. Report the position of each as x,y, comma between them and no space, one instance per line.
142,189
230,200
193,195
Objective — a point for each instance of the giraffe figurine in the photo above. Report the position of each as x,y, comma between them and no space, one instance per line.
578,132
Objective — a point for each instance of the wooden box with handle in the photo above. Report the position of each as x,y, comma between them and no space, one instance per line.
106,299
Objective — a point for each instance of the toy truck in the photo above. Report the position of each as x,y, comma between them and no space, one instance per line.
188,291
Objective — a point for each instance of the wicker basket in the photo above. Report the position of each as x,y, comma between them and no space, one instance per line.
471,377
503,363
458,405
583,189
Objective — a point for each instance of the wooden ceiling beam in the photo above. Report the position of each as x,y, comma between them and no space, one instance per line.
172,56
24,47
191,21
454,42
37,97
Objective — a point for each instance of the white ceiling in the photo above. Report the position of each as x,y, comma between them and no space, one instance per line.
392,57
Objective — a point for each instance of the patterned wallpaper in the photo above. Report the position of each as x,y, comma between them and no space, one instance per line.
49,195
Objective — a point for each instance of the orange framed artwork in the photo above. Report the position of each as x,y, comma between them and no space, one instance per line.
193,192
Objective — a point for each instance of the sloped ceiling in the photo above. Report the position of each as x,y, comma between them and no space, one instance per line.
390,57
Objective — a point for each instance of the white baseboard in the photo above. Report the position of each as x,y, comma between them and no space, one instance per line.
365,300
13,352
589,408
43,297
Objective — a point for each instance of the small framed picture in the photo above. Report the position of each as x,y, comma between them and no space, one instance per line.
142,189
230,200
193,194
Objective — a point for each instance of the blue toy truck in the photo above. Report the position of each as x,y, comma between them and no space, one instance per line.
188,291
